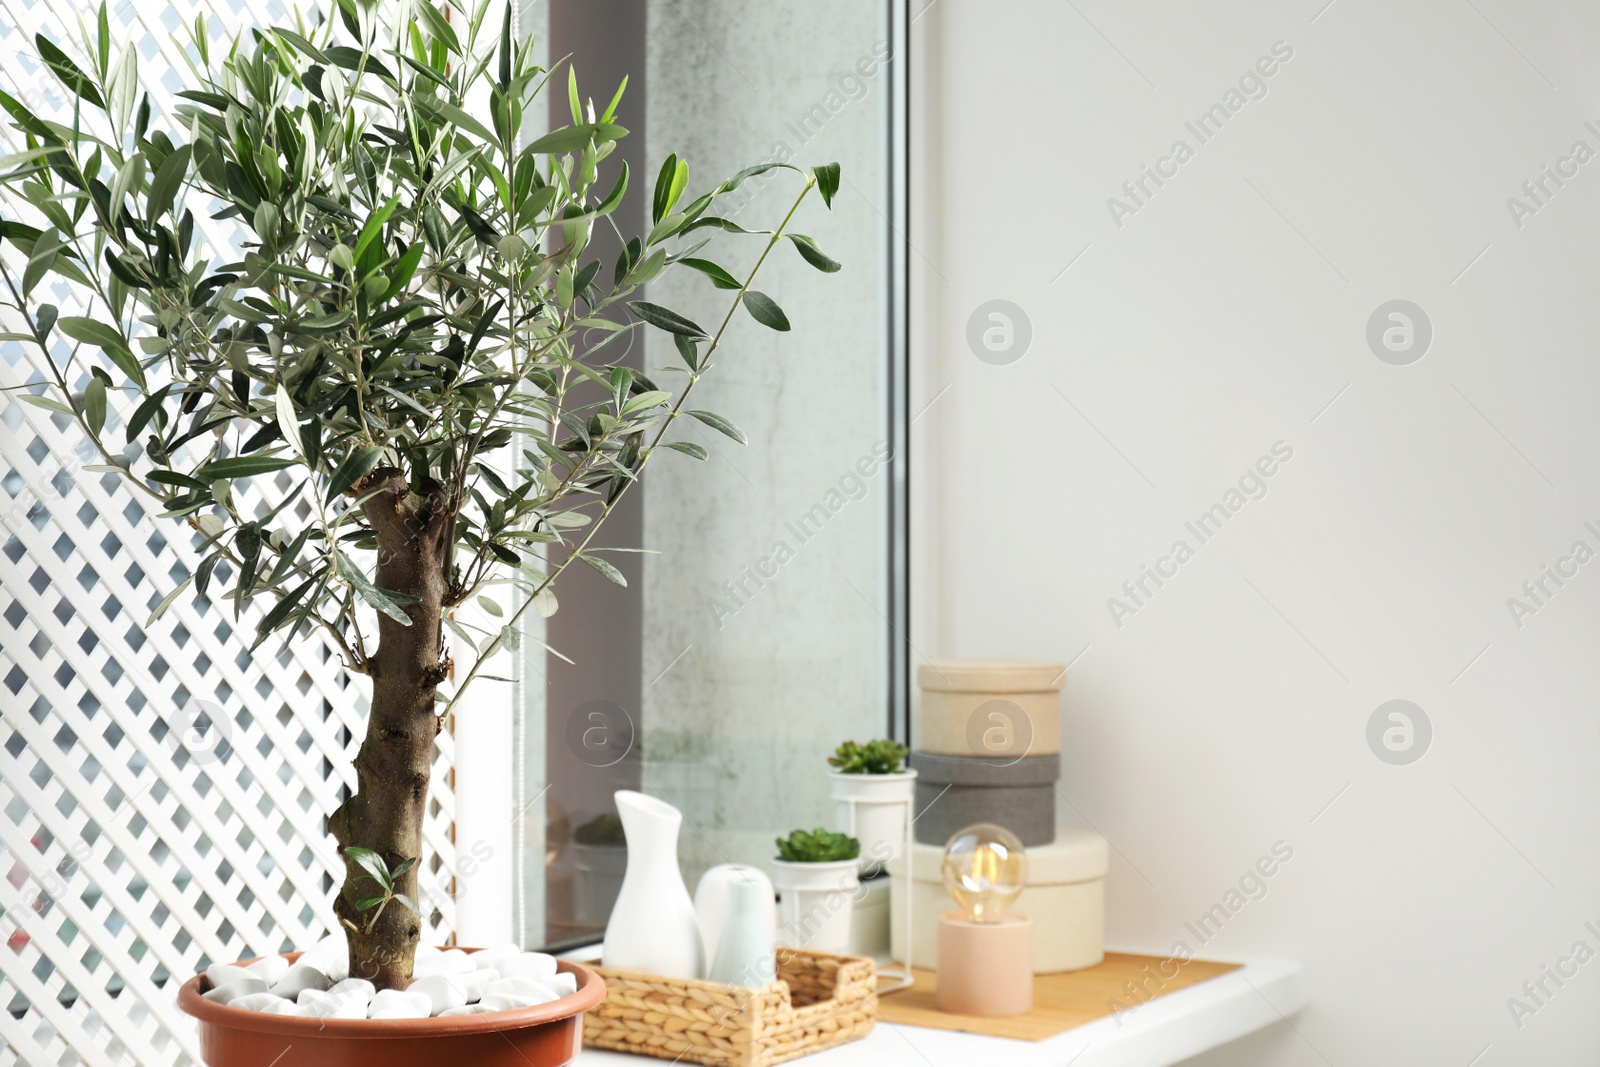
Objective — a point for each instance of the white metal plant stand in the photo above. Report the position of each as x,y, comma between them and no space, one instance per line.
898,975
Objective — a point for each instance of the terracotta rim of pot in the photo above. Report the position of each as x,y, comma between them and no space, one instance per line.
591,991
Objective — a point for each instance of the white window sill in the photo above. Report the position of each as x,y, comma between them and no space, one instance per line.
1165,1031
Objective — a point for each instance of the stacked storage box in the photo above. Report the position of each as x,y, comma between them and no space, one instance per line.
1065,898
988,749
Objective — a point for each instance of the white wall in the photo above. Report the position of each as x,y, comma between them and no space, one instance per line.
1219,319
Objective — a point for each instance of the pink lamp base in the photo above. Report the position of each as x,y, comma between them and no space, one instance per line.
985,968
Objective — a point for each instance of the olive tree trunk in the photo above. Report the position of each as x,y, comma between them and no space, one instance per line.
387,810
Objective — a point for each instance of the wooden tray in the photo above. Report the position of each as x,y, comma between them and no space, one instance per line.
819,1000
1062,1001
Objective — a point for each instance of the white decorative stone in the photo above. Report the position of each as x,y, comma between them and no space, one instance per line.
506,1002
454,961
331,956
476,983
226,974
533,990
353,994
243,987
399,1004
299,978
444,991
543,989
426,961
495,957
269,968
354,987
516,986
262,1002
529,965
468,1009
315,1004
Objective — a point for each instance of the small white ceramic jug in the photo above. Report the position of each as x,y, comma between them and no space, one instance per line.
711,900
744,944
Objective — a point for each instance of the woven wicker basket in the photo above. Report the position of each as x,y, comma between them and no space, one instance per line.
819,1000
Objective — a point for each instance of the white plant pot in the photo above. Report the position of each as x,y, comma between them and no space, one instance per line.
874,809
653,927
815,902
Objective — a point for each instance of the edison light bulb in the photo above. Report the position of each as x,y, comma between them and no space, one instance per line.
985,868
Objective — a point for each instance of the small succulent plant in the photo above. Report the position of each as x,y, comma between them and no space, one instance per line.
874,757
817,846
603,829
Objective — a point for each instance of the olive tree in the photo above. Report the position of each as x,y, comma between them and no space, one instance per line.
401,299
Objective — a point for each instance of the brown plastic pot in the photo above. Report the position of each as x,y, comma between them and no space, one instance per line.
547,1035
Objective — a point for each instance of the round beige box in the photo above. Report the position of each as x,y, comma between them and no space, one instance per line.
990,707
1065,898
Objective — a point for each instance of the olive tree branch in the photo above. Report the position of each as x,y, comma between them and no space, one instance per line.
644,456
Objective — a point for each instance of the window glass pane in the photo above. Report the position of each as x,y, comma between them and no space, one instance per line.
754,637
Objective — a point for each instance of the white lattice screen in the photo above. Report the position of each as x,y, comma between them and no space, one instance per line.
164,794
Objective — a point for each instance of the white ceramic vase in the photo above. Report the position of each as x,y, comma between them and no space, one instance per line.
712,899
653,927
875,809
744,943
814,904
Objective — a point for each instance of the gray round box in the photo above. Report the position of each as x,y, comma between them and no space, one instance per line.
953,792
